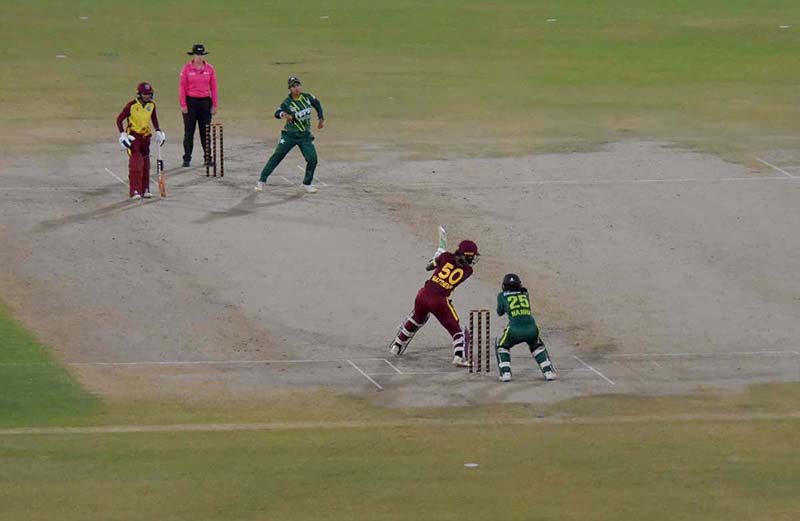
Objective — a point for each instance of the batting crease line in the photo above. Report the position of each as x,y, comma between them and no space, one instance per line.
50,188
677,355
598,373
596,182
416,373
776,168
317,177
369,359
467,186
118,178
368,377
393,366
198,362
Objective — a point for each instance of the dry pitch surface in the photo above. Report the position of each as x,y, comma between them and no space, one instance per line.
653,270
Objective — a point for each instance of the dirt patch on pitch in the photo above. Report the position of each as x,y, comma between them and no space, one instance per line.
636,248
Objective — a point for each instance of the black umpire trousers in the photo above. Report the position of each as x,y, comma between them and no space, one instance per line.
198,113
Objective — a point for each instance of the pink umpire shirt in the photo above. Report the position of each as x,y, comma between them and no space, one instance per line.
198,83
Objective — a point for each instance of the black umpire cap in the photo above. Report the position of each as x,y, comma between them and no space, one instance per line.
198,48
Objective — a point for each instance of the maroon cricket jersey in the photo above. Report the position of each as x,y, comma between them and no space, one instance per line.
447,275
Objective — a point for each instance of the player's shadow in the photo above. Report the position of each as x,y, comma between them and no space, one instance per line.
246,206
99,213
120,206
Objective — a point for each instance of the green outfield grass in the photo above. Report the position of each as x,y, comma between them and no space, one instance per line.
34,389
661,466
449,77
671,472
444,77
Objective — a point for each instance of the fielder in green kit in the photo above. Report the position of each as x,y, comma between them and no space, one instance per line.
296,110
515,302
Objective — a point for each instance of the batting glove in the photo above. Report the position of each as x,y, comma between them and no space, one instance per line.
126,140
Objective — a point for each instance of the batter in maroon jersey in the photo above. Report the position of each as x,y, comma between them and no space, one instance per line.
449,271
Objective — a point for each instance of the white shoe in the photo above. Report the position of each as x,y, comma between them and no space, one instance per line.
505,377
135,196
460,361
260,186
396,349
310,189
550,375
147,195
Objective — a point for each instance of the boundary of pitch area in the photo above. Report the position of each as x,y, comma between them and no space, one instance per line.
407,423
584,361
786,176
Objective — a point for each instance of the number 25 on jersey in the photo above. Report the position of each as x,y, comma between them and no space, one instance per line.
518,301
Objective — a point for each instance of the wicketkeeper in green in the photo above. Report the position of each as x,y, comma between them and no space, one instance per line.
515,302
296,110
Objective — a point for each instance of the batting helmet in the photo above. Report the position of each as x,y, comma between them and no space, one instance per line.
469,250
143,89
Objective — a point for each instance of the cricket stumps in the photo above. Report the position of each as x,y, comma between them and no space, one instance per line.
480,340
215,141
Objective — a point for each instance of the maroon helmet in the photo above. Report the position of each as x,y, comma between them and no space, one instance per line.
143,89
469,250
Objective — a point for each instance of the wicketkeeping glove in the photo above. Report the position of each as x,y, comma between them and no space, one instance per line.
126,140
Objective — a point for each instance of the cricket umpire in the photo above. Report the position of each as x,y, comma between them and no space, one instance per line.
296,110
198,99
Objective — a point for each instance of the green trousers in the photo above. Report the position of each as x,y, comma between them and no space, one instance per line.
514,335
288,140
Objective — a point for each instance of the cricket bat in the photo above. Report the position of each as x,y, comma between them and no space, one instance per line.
162,178
442,246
